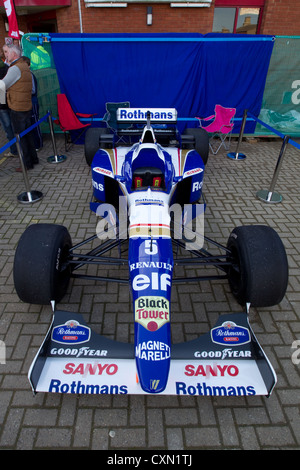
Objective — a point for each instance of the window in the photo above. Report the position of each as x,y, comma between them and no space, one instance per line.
241,19
224,19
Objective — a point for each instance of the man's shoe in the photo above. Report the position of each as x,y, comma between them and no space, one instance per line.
19,170
9,154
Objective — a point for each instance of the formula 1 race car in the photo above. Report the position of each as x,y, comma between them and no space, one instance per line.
148,196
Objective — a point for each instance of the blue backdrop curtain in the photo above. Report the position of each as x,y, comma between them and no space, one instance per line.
189,72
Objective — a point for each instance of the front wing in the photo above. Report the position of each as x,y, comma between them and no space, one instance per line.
226,361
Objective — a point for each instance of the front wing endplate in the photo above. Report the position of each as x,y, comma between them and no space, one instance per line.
226,361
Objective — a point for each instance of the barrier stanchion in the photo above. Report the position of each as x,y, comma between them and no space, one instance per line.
27,197
54,158
237,155
269,195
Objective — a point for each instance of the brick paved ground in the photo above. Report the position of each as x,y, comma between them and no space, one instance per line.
152,422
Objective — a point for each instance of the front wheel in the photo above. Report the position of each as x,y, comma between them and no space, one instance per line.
259,269
41,269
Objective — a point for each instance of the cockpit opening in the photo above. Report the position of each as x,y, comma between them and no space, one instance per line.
145,177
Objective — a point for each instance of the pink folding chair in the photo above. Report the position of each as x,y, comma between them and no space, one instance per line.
220,128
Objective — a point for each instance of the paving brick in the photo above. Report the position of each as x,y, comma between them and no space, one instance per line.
83,427
227,427
202,438
11,428
26,438
111,417
100,439
183,416
174,439
130,438
53,438
156,428
40,417
275,436
248,438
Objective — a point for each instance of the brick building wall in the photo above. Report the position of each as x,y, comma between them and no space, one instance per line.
281,17
22,23
132,19
3,33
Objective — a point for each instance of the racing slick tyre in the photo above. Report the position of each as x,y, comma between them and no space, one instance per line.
259,268
201,142
92,142
41,270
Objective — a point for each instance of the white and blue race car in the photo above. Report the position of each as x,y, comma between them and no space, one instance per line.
147,193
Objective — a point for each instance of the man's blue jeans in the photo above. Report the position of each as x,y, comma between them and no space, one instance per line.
6,123
20,121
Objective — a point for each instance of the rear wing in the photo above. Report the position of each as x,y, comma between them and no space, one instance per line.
139,115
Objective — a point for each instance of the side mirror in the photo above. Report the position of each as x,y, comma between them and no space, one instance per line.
120,178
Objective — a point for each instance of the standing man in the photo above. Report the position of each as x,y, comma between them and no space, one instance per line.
5,117
18,87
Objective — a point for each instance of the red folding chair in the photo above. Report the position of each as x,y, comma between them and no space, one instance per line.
220,128
68,121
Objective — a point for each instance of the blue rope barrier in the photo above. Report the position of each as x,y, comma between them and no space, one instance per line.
6,146
282,136
29,129
44,118
180,119
267,126
295,144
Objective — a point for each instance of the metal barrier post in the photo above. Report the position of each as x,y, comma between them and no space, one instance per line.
269,195
236,155
27,197
54,158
